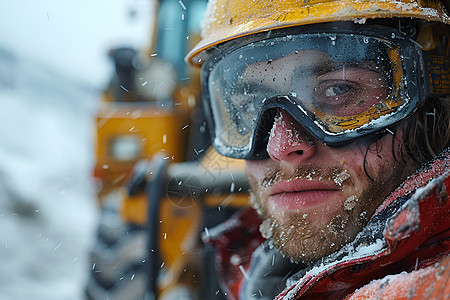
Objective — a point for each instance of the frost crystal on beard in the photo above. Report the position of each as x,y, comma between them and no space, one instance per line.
350,202
266,229
341,177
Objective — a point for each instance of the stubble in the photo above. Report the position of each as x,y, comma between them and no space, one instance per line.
294,232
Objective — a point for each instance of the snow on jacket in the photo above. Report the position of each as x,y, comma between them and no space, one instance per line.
402,253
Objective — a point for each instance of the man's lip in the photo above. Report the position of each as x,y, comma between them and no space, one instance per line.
302,185
298,194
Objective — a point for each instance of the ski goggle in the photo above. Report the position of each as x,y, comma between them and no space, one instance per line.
339,84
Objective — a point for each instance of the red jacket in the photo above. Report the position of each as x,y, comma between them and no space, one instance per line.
402,253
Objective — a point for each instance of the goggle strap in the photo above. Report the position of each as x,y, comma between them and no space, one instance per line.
438,72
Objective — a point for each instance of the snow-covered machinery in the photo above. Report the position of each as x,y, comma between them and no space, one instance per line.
160,184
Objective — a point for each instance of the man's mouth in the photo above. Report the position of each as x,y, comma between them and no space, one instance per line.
301,193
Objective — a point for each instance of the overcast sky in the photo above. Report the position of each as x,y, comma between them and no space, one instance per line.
74,35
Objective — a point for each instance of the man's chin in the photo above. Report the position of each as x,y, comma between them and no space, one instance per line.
301,251
304,241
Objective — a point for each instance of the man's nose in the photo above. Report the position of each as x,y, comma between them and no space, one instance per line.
288,141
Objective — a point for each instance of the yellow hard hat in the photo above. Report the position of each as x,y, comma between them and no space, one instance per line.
225,20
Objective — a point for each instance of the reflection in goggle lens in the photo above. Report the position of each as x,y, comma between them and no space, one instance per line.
341,83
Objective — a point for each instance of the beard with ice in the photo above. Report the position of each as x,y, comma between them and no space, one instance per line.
293,232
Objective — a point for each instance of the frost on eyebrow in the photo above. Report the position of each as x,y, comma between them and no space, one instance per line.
341,177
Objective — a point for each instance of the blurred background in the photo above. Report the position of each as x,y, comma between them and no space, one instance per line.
108,183
54,66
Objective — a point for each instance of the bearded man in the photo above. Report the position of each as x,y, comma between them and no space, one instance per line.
342,112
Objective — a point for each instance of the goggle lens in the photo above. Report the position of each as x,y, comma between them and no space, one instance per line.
340,82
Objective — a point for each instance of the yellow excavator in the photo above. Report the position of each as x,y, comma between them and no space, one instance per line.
160,184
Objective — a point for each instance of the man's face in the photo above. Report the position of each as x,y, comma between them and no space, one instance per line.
315,198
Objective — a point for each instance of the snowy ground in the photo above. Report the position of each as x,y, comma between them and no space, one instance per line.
52,69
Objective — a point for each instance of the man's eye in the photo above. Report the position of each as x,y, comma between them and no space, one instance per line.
337,90
334,91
